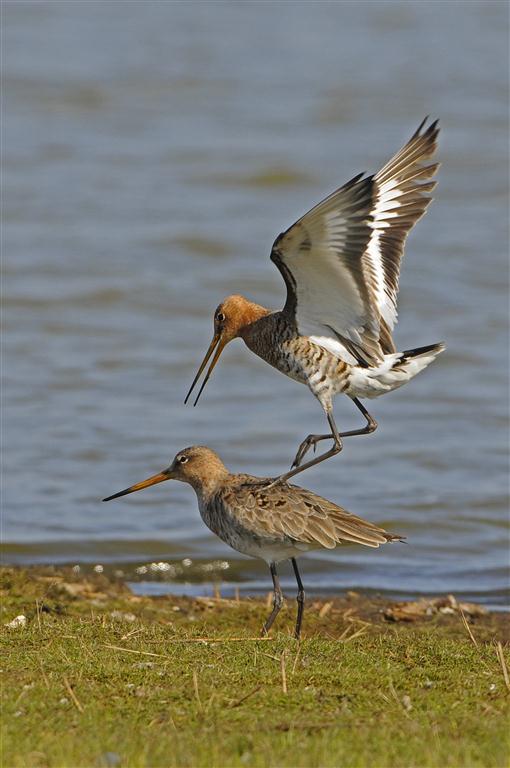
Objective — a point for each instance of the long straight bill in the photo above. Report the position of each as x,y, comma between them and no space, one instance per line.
220,344
160,478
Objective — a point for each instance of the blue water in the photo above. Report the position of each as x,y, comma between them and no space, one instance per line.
152,152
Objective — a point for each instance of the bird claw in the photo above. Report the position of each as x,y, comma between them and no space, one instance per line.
309,442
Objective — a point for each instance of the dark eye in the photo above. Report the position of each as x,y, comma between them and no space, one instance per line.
220,317
183,459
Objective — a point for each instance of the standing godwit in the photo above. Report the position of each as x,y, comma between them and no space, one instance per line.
275,524
341,264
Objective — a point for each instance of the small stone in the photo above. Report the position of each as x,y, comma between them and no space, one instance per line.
121,616
18,713
428,684
63,701
108,759
19,621
406,703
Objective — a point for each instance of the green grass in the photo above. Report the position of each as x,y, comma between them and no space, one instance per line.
383,695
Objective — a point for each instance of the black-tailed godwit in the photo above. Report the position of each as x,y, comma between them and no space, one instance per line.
340,263
275,524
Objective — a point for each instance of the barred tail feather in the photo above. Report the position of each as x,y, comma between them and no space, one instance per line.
415,360
395,370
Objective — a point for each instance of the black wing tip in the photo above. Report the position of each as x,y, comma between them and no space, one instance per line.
431,131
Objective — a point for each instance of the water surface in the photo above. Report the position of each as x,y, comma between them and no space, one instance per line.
152,153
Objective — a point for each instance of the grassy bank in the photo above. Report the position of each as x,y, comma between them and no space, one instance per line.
99,677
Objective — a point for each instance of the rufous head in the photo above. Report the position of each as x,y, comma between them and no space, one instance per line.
231,318
197,465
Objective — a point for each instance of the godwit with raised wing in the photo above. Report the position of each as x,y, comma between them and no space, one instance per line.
341,264
275,524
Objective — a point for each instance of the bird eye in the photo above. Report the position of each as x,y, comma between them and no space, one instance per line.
220,317
183,459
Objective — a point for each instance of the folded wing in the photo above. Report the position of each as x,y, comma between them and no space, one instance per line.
304,517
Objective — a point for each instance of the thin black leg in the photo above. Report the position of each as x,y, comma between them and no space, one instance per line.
300,600
312,440
336,448
277,600
370,426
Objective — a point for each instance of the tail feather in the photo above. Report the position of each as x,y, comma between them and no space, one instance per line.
435,348
395,370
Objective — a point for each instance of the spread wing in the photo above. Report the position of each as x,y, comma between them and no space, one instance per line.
301,516
341,260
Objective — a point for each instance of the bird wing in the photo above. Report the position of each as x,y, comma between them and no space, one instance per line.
301,516
341,260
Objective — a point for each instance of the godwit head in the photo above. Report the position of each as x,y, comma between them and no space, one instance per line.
231,318
197,465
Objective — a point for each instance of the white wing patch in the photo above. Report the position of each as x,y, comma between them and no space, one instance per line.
335,347
384,211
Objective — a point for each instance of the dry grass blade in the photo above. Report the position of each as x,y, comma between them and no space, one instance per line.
296,658
43,673
38,612
502,661
284,672
468,628
240,701
395,696
23,693
72,695
195,688
325,609
132,650
264,638
359,632
270,656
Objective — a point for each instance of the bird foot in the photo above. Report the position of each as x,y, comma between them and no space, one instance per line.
309,442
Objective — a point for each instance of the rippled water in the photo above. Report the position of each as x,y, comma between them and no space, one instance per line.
152,153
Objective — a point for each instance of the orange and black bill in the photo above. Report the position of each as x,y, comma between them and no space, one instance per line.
217,343
160,478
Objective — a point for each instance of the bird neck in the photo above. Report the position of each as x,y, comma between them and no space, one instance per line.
207,484
252,315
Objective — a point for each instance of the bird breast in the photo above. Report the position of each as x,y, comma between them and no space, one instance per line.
228,516
276,341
